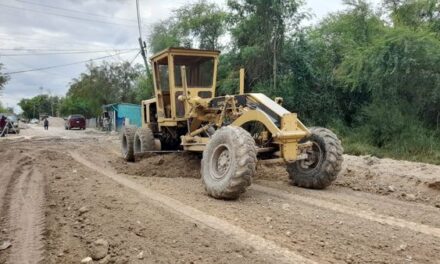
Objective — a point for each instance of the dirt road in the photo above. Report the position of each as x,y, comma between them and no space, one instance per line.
62,190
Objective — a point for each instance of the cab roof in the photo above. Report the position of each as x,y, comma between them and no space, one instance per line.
185,51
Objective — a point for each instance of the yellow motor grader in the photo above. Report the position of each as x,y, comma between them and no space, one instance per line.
232,131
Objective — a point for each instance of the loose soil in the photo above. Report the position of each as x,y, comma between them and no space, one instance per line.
61,190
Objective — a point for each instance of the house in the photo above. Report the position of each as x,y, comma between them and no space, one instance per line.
120,114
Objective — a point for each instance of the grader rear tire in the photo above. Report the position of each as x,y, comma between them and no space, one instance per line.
127,142
324,162
228,163
143,140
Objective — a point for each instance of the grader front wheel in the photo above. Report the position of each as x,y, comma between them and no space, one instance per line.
127,146
143,140
228,163
323,164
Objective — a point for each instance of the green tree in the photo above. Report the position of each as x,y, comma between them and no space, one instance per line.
144,88
196,25
399,68
258,31
203,22
3,78
164,34
46,104
102,84
332,43
415,13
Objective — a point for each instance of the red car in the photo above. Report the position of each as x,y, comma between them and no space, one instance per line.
75,121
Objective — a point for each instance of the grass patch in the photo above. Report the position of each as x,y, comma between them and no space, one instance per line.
420,146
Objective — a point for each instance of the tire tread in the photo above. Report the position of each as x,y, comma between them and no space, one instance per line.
246,161
330,167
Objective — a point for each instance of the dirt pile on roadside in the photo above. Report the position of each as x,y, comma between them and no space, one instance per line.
418,182
405,180
173,165
184,165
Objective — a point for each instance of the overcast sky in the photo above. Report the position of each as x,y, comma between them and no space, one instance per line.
88,29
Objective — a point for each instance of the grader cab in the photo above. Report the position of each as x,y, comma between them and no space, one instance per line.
233,132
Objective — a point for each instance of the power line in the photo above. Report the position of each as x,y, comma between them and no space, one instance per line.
64,65
58,53
46,71
66,50
66,16
48,39
74,11
137,54
49,53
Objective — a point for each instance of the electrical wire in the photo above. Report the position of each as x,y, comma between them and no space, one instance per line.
66,16
49,49
49,39
137,54
58,53
64,65
45,71
74,11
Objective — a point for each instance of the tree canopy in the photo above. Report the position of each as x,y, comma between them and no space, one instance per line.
197,25
3,78
40,104
101,84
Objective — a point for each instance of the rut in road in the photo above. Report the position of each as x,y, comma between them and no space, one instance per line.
24,198
262,245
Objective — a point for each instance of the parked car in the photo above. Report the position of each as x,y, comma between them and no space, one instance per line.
12,121
75,121
34,121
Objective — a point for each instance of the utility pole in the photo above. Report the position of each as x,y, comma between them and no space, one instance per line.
142,44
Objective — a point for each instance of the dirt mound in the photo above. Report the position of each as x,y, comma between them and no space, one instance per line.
184,165
404,180
173,165
417,182
55,122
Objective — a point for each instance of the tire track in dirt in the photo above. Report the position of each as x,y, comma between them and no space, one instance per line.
383,219
263,246
379,204
23,206
348,210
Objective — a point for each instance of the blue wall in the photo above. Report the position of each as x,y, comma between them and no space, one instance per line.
130,111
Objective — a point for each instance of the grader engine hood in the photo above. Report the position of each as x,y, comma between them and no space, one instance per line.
284,126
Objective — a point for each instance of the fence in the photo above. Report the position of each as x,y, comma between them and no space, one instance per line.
91,123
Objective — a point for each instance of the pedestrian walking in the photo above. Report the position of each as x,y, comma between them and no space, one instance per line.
3,124
46,124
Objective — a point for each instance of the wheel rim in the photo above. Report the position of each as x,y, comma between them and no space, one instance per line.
315,156
220,162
